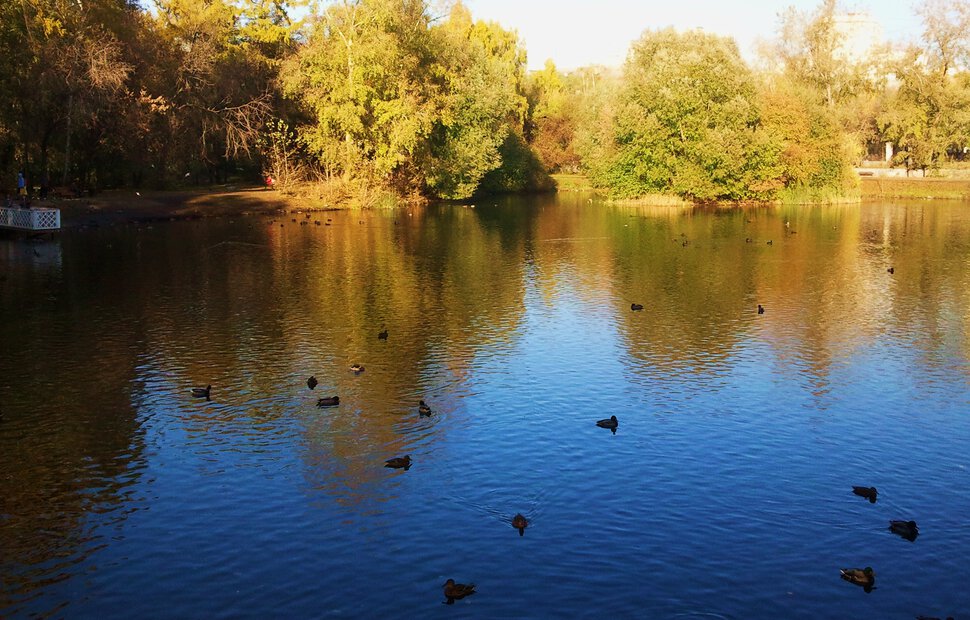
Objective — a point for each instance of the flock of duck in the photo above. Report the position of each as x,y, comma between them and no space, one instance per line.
864,577
453,591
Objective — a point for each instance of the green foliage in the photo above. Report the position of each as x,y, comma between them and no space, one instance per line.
480,104
282,152
63,73
687,123
211,84
359,77
400,102
520,170
384,94
813,53
104,91
597,93
929,116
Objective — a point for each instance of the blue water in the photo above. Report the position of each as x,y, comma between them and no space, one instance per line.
724,493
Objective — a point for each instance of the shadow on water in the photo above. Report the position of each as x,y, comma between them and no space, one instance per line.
72,446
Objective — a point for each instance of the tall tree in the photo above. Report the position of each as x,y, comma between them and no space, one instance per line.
946,34
398,101
552,119
815,152
65,68
928,115
809,48
212,85
481,103
687,123
360,78
815,54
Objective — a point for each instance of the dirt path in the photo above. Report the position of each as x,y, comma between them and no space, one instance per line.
120,206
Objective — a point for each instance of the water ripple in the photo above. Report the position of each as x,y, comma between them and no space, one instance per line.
724,493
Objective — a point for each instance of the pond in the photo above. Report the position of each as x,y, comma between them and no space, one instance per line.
725,492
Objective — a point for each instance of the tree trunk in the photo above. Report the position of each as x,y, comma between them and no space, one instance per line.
348,142
67,142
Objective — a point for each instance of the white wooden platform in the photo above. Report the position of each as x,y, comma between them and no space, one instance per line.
30,219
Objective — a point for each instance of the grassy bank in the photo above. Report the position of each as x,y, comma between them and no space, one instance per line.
655,200
573,183
916,188
950,188
112,206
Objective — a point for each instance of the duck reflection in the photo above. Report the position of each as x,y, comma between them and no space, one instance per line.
904,529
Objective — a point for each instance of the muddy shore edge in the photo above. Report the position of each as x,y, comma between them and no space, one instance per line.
128,206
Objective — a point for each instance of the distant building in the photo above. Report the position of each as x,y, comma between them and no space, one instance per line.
861,36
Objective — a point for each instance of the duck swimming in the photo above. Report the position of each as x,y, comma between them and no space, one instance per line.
869,493
328,401
860,576
519,522
202,392
611,424
904,529
455,591
311,382
399,462
357,368
636,307
761,309
424,409
382,335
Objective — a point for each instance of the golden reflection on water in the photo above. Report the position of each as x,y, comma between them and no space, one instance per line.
254,308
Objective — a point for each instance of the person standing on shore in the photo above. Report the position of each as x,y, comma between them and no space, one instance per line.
22,187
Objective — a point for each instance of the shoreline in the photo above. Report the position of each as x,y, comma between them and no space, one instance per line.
915,188
128,206
876,187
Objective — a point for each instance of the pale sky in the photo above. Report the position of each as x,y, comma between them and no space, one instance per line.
576,33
